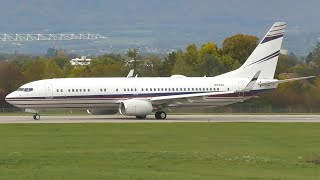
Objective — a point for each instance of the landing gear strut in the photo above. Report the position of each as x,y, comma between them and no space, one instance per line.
161,115
36,117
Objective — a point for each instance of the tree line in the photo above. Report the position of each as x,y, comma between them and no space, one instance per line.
205,60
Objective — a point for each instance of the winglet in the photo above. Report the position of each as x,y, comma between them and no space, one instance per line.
252,82
130,74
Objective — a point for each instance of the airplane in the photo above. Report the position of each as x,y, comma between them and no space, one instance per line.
141,96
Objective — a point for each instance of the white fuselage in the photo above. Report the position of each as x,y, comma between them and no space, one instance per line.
107,93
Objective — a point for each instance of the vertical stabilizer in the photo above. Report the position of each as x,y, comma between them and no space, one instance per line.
264,58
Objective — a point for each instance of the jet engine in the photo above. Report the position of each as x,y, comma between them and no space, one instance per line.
135,107
102,111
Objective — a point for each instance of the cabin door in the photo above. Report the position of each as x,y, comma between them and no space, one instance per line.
49,90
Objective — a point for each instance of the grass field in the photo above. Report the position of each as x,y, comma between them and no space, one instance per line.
160,151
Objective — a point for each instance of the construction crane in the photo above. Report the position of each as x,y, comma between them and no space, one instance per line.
48,37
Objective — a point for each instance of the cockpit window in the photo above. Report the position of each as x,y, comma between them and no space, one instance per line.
25,89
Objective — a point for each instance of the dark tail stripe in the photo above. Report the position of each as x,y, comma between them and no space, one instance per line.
267,39
279,25
276,34
278,29
267,58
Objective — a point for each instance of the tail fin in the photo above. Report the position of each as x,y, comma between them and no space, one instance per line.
264,58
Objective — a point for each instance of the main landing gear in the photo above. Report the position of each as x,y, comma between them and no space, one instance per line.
161,115
36,117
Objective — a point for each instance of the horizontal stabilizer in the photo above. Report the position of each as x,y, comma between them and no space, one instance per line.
285,80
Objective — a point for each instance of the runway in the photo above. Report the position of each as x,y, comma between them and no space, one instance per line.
151,119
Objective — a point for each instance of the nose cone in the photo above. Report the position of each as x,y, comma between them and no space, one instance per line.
10,97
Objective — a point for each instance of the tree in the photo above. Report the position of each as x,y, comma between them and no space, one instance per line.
181,66
211,66
208,49
239,46
150,66
133,54
34,69
52,53
168,64
191,54
52,70
10,78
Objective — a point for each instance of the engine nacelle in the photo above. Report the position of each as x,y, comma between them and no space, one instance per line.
102,111
135,107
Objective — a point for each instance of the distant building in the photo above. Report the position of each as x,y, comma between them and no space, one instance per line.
83,61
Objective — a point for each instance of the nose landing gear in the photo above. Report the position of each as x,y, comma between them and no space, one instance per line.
36,117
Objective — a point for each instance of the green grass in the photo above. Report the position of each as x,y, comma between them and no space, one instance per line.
160,151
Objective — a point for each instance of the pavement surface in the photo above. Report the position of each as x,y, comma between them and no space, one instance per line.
151,119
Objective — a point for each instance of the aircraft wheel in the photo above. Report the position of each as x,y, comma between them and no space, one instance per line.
157,115
36,117
163,115
141,117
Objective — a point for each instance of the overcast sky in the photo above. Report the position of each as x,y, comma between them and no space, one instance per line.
257,14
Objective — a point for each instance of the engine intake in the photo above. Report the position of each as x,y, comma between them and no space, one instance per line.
135,107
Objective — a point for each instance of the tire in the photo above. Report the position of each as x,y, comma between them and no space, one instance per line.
36,117
163,115
157,115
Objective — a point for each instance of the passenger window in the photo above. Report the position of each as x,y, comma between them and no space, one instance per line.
218,89
185,89
155,89
135,89
84,90
61,90
69,90
150,89
57,90
165,89
72,90
76,90
105,90
228,89
161,89
210,89
141,89
124,89
88,90
180,89
117,90
188,89
80,90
